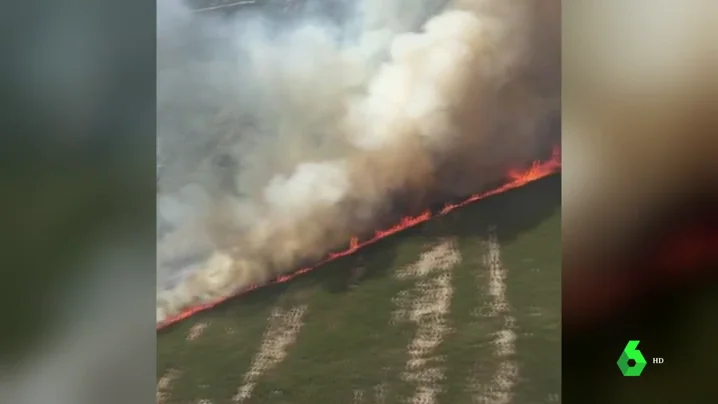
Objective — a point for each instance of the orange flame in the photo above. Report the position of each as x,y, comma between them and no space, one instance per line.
516,179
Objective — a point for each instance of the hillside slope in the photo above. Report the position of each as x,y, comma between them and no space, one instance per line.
462,309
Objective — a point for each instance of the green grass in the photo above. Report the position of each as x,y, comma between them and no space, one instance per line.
348,343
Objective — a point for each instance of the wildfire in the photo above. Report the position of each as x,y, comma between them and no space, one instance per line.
515,179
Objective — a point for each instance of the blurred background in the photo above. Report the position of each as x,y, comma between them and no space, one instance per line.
639,208
78,178
78,185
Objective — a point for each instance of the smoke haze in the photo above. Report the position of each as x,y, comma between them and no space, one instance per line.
281,137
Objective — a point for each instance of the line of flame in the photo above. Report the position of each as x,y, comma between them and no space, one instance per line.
516,179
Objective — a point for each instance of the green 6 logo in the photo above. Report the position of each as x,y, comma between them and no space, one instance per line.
631,353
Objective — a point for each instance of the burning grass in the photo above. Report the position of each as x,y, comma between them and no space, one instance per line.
350,346
514,179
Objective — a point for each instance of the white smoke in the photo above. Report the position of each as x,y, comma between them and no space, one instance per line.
283,141
311,186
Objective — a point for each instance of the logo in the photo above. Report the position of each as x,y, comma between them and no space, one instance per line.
631,354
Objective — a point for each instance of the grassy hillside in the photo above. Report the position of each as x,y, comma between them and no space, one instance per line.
462,309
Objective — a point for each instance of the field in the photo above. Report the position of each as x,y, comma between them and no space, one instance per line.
462,309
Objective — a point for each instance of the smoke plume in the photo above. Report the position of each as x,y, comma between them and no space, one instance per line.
281,136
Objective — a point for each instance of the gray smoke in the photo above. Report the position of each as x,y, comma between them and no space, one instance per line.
280,137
